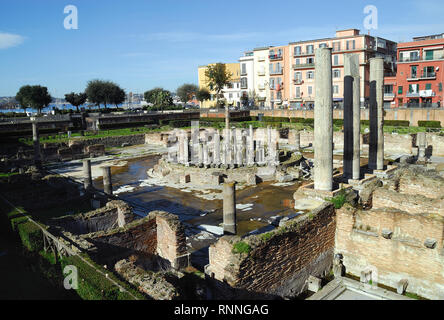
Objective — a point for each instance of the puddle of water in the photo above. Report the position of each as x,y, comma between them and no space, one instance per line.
199,207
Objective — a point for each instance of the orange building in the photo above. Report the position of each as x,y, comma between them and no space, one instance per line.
419,79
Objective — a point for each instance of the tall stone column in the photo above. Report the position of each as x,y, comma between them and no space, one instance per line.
107,183
206,160
194,142
297,140
233,159
180,147
228,146
323,121
421,142
186,159
201,155
376,147
36,140
87,176
216,149
352,117
250,153
229,208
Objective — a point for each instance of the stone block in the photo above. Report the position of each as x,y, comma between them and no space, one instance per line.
402,286
430,243
387,234
314,284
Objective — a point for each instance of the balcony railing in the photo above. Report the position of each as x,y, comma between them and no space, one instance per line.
276,72
390,95
298,81
261,73
274,57
303,65
303,53
412,95
423,76
261,87
414,59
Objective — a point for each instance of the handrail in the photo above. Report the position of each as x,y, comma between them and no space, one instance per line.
69,250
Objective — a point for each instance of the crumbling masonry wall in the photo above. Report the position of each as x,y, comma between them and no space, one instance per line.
278,263
114,214
393,242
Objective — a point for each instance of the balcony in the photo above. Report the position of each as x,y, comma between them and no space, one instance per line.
303,65
261,59
389,95
275,57
261,73
423,76
416,59
412,95
243,73
261,87
298,81
276,72
301,53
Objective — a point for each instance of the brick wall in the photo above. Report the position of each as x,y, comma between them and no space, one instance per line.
171,240
277,264
404,256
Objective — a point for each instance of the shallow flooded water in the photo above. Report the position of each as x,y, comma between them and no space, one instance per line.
256,206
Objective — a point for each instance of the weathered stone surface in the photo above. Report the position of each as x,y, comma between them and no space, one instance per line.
152,284
300,248
95,150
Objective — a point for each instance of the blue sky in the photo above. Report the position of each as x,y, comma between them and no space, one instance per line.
141,44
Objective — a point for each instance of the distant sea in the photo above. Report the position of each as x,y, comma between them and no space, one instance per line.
66,106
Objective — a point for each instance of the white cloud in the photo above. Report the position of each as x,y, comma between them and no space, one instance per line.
8,40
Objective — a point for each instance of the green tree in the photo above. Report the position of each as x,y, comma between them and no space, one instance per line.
35,97
160,98
23,96
118,95
104,92
217,77
76,99
187,91
203,94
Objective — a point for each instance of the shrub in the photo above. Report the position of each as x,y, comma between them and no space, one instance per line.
276,119
397,123
429,124
241,247
339,200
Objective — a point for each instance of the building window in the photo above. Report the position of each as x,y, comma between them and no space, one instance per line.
272,83
336,73
298,76
298,61
336,60
335,89
350,45
413,71
244,68
429,72
298,92
429,55
440,87
399,89
323,45
230,96
244,84
388,89
310,49
310,60
310,90
336,46
428,86
310,75
297,51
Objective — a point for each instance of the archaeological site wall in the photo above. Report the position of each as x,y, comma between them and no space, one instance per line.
400,238
275,264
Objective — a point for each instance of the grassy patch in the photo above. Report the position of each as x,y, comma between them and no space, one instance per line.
9,174
339,200
267,236
241,247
